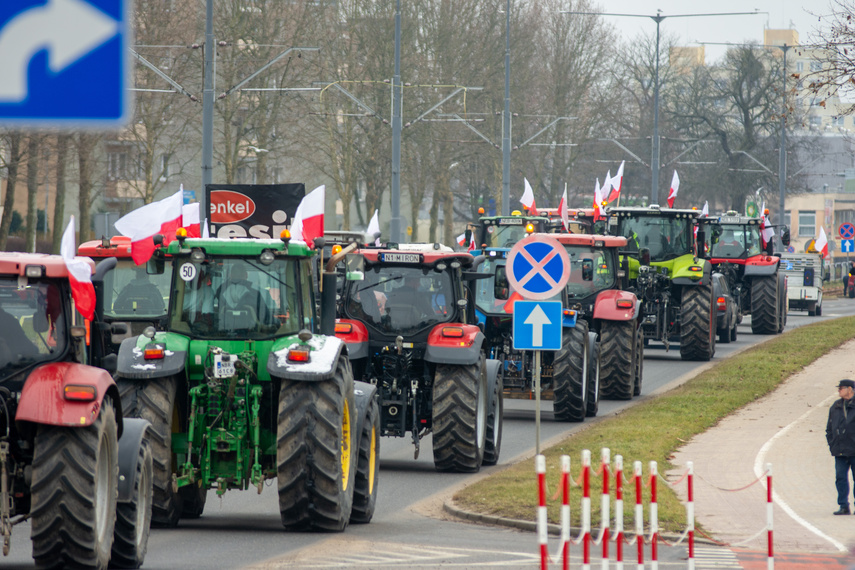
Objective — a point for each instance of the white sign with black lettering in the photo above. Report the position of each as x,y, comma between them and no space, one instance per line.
187,272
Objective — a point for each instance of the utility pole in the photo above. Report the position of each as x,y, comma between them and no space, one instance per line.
207,108
506,118
395,221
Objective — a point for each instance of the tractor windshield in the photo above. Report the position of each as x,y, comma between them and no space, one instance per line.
399,299
491,295
666,237
506,232
32,326
130,292
736,241
225,298
591,270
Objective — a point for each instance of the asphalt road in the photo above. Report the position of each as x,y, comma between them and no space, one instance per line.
243,530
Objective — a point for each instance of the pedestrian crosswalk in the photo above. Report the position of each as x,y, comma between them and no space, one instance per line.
707,558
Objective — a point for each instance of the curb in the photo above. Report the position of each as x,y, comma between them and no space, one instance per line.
531,526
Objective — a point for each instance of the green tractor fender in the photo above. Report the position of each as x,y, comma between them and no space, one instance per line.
691,271
134,363
285,360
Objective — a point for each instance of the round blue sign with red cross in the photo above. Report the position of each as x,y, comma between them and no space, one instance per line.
538,267
846,230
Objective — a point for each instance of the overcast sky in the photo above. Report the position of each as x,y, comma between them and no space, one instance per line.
781,14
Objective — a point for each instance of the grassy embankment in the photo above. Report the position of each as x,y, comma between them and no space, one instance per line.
654,429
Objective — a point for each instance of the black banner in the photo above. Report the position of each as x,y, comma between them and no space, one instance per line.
252,210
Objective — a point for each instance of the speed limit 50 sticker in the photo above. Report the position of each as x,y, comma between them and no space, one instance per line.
187,271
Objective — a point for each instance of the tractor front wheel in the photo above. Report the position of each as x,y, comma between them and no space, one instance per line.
133,518
765,306
697,323
569,380
617,372
367,466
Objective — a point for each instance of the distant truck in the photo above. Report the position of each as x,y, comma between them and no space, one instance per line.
805,274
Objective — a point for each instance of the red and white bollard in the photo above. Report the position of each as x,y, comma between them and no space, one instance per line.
565,511
604,506
639,514
770,561
690,513
654,517
586,509
540,468
619,511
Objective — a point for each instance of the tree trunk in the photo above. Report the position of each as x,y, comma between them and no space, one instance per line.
11,183
62,142
32,192
86,163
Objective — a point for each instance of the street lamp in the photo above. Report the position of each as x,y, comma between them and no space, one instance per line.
658,17
506,118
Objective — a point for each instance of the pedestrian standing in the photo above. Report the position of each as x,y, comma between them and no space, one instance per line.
840,433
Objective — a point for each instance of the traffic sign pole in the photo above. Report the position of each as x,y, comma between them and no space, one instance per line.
537,401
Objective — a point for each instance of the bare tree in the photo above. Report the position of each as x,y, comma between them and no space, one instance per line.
63,141
12,164
87,144
835,53
33,154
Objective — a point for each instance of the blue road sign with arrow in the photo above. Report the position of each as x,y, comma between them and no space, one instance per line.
538,267
537,325
64,63
847,245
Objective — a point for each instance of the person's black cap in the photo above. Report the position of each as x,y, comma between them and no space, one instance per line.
846,384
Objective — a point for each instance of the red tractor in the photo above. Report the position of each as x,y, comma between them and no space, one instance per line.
131,295
70,464
411,330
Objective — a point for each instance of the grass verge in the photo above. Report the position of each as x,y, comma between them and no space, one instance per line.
653,430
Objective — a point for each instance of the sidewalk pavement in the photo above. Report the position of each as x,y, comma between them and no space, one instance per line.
787,430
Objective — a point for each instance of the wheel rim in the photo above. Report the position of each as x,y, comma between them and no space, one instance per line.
103,488
481,413
345,447
372,460
143,505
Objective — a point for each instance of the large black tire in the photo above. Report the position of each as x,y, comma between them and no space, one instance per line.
193,498
315,454
133,518
367,466
733,332
638,361
765,305
569,375
617,373
493,440
592,406
154,400
697,323
852,292
818,310
75,477
459,417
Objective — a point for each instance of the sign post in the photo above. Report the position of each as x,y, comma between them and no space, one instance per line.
538,268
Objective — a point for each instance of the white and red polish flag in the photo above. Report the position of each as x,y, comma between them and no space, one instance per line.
374,227
527,199
190,220
706,211
308,222
562,209
821,244
767,232
617,183
141,225
461,240
79,274
598,198
675,186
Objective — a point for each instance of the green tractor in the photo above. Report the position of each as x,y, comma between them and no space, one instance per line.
243,387
673,284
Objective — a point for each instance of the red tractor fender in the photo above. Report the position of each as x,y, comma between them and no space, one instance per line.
454,343
44,401
355,336
616,305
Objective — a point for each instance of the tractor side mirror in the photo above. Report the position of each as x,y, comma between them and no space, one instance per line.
785,235
700,242
354,265
587,270
155,265
501,288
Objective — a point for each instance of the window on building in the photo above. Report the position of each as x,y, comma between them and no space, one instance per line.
816,66
164,167
276,175
246,175
807,223
117,165
800,66
815,120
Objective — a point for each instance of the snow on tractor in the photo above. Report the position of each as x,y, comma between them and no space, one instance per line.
70,464
411,330
131,295
243,387
602,346
755,275
671,280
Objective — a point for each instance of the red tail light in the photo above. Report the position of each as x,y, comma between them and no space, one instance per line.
624,303
80,393
153,352
298,354
722,304
452,332
343,328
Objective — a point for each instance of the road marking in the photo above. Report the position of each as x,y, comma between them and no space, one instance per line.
397,556
715,558
760,469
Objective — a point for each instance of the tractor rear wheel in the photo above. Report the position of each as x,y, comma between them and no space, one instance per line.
315,453
765,305
569,375
593,403
617,373
75,478
697,323
367,466
133,518
154,400
493,443
193,498
638,361
459,417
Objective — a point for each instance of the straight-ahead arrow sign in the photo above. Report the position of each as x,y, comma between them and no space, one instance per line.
537,319
537,325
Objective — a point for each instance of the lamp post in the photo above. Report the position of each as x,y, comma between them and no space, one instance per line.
395,220
506,118
658,17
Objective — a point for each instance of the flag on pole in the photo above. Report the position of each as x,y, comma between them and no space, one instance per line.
675,186
79,274
598,198
821,244
461,240
527,199
141,225
308,221
374,227
706,211
767,232
562,209
205,233
190,220
616,183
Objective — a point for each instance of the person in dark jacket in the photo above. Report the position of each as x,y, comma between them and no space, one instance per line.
840,433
